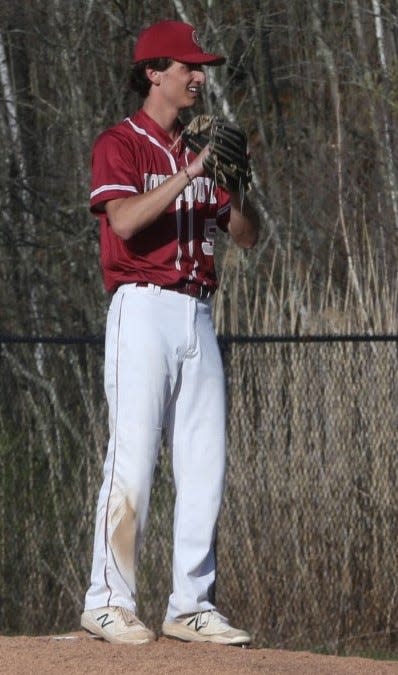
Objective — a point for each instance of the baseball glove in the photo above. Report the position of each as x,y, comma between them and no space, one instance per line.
227,162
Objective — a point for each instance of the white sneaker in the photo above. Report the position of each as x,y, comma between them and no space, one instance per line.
205,627
117,625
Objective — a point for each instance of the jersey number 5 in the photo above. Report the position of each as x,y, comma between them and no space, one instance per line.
210,234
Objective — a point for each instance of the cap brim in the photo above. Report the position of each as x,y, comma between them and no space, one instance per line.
209,59
205,59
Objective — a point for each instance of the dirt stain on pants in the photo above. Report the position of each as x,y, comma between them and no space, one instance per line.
123,538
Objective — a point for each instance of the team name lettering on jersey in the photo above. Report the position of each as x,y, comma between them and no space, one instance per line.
202,187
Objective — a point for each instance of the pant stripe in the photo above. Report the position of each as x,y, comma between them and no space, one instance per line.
114,457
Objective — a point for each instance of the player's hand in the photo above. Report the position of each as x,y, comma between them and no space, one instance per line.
196,167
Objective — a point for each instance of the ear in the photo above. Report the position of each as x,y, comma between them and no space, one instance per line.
153,76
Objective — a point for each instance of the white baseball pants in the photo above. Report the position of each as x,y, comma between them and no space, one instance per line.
162,369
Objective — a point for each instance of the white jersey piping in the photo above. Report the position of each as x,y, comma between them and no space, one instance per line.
105,188
154,141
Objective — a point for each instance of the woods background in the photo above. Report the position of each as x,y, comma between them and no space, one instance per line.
315,84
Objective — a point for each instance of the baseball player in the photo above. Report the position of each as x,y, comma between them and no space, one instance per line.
158,215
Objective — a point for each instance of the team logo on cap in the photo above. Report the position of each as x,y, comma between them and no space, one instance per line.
195,38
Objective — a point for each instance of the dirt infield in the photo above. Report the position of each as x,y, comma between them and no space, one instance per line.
78,654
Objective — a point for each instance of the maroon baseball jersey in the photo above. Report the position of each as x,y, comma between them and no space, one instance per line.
129,159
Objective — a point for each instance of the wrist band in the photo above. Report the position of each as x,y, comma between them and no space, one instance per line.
185,170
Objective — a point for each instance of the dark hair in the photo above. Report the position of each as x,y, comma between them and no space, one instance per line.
138,78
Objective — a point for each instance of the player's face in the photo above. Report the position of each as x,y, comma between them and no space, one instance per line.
182,84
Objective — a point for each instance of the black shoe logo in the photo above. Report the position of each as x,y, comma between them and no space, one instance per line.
197,622
103,619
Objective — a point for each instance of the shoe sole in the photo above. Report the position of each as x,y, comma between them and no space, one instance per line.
94,629
186,635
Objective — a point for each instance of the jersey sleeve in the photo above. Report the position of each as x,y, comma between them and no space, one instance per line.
113,170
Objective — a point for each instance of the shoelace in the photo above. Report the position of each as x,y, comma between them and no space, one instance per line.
129,617
205,617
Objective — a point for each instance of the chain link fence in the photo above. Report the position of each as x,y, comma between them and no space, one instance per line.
306,546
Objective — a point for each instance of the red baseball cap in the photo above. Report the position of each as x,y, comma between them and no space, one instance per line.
174,40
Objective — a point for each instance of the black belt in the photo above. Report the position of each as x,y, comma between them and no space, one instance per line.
186,287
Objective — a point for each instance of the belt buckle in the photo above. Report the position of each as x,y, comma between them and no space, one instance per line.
204,292
195,290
